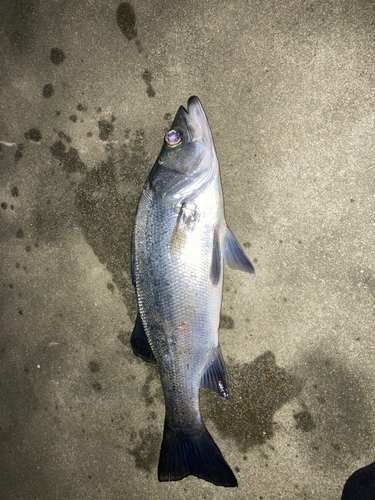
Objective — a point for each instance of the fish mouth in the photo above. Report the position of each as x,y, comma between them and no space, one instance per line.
196,112
196,121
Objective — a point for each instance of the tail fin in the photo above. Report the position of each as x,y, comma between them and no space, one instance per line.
194,452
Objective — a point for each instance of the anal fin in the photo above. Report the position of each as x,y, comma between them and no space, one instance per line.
139,342
215,376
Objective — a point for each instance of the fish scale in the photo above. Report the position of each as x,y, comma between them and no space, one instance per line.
175,292
179,244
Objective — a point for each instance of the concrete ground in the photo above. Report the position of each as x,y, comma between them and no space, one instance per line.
87,90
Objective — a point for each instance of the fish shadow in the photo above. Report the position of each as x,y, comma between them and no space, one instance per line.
106,203
256,391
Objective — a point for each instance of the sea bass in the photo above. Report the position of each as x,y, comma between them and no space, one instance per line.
179,243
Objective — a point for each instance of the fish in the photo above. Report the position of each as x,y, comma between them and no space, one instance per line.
179,243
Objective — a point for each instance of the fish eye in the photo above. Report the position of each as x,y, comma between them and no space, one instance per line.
173,138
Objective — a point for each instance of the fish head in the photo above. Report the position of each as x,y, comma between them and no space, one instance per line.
187,161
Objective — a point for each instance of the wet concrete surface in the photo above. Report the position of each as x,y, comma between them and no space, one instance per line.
87,91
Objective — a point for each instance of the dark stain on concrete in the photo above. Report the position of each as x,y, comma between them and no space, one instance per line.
256,391
81,107
97,386
4,205
14,191
94,366
19,152
124,337
70,160
18,402
106,215
147,77
62,135
58,150
304,421
34,135
20,26
48,90
139,46
52,217
146,448
57,56
126,20
342,414
73,118
20,233
226,322
106,129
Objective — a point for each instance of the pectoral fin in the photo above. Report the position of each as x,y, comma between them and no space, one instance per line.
178,238
215,376
139,342
234,256
185,222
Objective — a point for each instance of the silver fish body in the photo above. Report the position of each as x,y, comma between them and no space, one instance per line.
179,244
